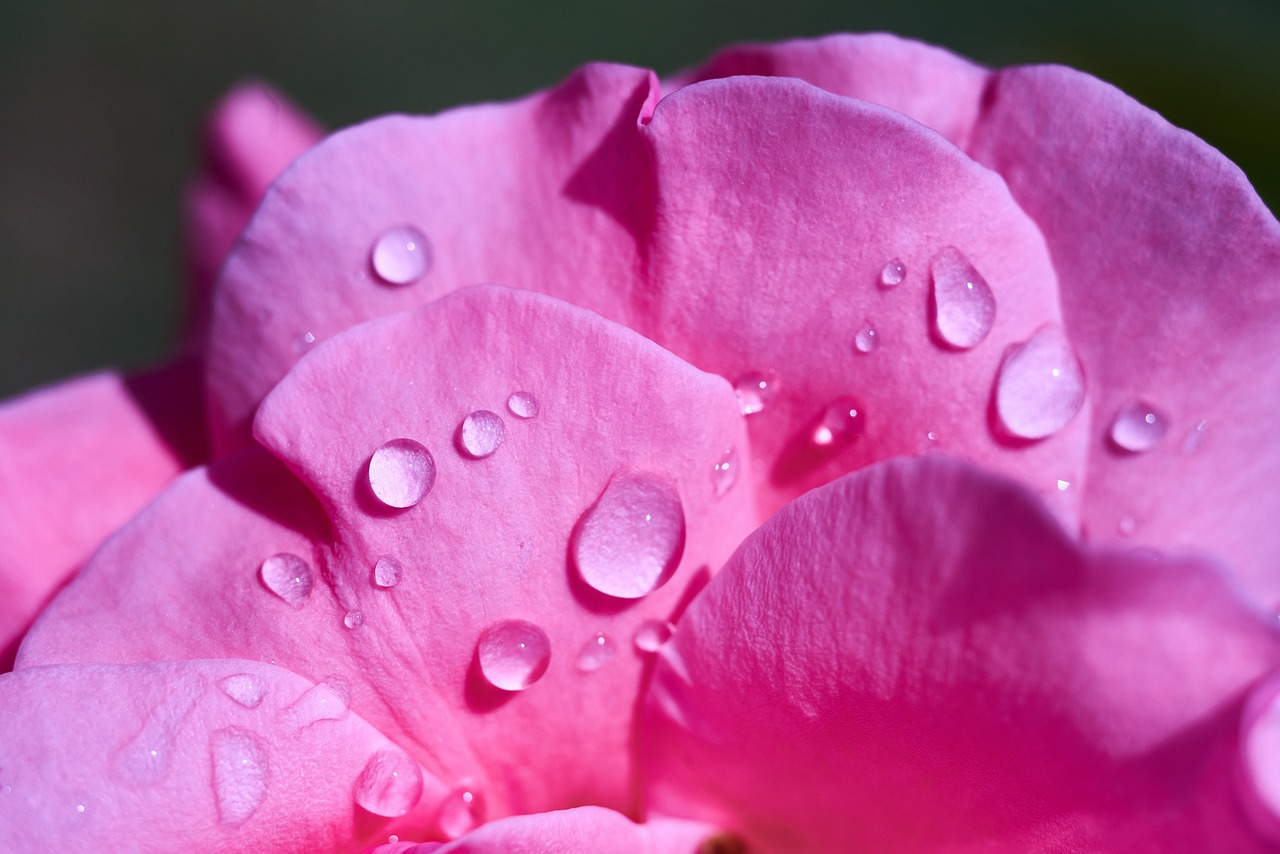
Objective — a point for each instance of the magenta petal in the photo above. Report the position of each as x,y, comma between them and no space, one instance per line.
916,657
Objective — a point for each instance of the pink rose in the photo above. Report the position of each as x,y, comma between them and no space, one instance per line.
646,547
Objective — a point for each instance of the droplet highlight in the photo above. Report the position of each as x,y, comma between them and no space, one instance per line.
461,812
387,572
1138,427
390,784
401,256
964,306
288,576
522,404
240,773
865,340
482,433
353,619
842,422
513,654
244,688
754,392
892,274
1040,385
596,653
629,542
401,473
724,474
652,634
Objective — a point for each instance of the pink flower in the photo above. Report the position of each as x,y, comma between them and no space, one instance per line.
424,587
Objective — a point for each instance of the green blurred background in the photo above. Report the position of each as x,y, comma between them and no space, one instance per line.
99,104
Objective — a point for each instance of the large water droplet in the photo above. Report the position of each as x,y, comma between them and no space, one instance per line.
240,773
390,784
513,654
1040,385
964,307
387,572
353,619
754,392
629,542
724,474
401,255
245,688
596,653
327,701
1138,427
462,810
865,340
482,433
288,576
522,404
401,472
652,634
893,273
839,424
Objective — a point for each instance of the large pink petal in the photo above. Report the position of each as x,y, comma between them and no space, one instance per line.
917,658
489,542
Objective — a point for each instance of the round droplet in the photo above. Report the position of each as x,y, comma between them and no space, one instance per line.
390,784
387,572
244,688
401,472
401,256
652,634
724,474
521,404
839,424
892,274
1138,427
288,576
482,433
629,542
354,619
513,654
596,653
1040,385
964,307
865,340
754,392
240,773
461,811
79,807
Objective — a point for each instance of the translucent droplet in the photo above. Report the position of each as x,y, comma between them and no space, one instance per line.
1138,427
893,273
401,473
240,773
387,572
461,811
513,654
79,807
1195,438
1064,485
724,474
401,256
596,653
288,576
327,701
840,423
652,634
482,433
308,338
390,784
964,307
245,688
629,542
865,340
754,392
521,404
354,619
1040,385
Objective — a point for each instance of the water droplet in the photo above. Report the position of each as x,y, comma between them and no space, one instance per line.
1195,438
724,474
390,784
839,424
482,433
893,273
1064,485
327,701
652,634
401,255
245,688
964,307
865,340
354,619
147,756
1040,385
461,811
754,392
240,773
1138,427
387,572
521,404
596,653
308,338
401,472
1127,525
288,576
79,807
513,654
629,542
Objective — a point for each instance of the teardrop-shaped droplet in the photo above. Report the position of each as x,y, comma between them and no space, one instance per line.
522,404
461,811
652,634
596,653
288,576
387,572
892,274
964,307
401,255
353,619
840,424
1138,427
244,688
390,784
629,542
513,654
754,392
482,433
401,473
327,701
240,773
724,474
1040,385
865,340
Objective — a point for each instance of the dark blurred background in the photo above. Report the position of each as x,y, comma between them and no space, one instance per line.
99,103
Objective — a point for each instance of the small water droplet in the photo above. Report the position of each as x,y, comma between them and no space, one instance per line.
240,773
964,307
754,392
513,654
387,572
596,653
629,542
354,619
652,634
326,701
522,404
401,473
482,433
288,576
724,474
79,807
1138,427
461,811
1064,485
840,424
1127,525
390,784
244,688
865,340
1040,385
308,338
893,273
401,255
1195,438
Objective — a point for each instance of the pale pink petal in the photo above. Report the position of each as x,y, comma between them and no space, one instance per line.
917,658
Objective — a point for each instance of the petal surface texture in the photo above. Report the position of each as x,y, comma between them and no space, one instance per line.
917,658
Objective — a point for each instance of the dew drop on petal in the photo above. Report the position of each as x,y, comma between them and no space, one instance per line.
629,542
652,634
724,474
754,392
840,424
865,340
482,433
387,572
353,619
1138,427
522,404
892,274
513,654
288,576
401,255
240,773
390,784
595,653
1064,485
79,807
327,701
401,473
1040,385
462,810
964,307
244,688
